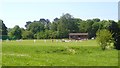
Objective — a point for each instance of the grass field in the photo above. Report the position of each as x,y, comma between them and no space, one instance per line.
41,53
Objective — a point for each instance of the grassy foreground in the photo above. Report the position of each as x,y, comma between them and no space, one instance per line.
41,53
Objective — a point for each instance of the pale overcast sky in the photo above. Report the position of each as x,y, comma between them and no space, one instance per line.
18,12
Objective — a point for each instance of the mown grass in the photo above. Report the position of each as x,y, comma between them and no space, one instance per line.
40,53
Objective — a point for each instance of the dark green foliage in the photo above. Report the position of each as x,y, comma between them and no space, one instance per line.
47,34
119,23
83,27
3,28
96,26
96,20
61,27
67,24
15,33
35,27
90,23
114,28
4,37
54,26
27,23
3,31
45,22
27,35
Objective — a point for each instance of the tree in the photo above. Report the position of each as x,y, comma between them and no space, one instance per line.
114,28
54,26
96,20
83,27
27,23
15,33
105,24
3,28
90,23
46,23
35,27
119,23
55,20
91,26
67,24
41,35
47,34
3,31
95,27
27,35
104,38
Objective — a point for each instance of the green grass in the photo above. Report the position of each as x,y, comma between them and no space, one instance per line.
28,53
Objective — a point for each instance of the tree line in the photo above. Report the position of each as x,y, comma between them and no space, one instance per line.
60,28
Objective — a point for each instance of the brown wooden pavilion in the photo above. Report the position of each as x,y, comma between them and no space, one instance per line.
78,36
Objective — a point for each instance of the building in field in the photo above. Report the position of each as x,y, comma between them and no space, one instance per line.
78,36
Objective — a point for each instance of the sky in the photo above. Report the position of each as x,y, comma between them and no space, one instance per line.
18,12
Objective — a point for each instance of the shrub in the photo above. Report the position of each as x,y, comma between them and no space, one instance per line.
104,38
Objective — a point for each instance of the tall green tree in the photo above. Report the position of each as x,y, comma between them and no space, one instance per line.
3,28
3,31
95,27
90,23
46,23
15,33
35,27
114,28
66,24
